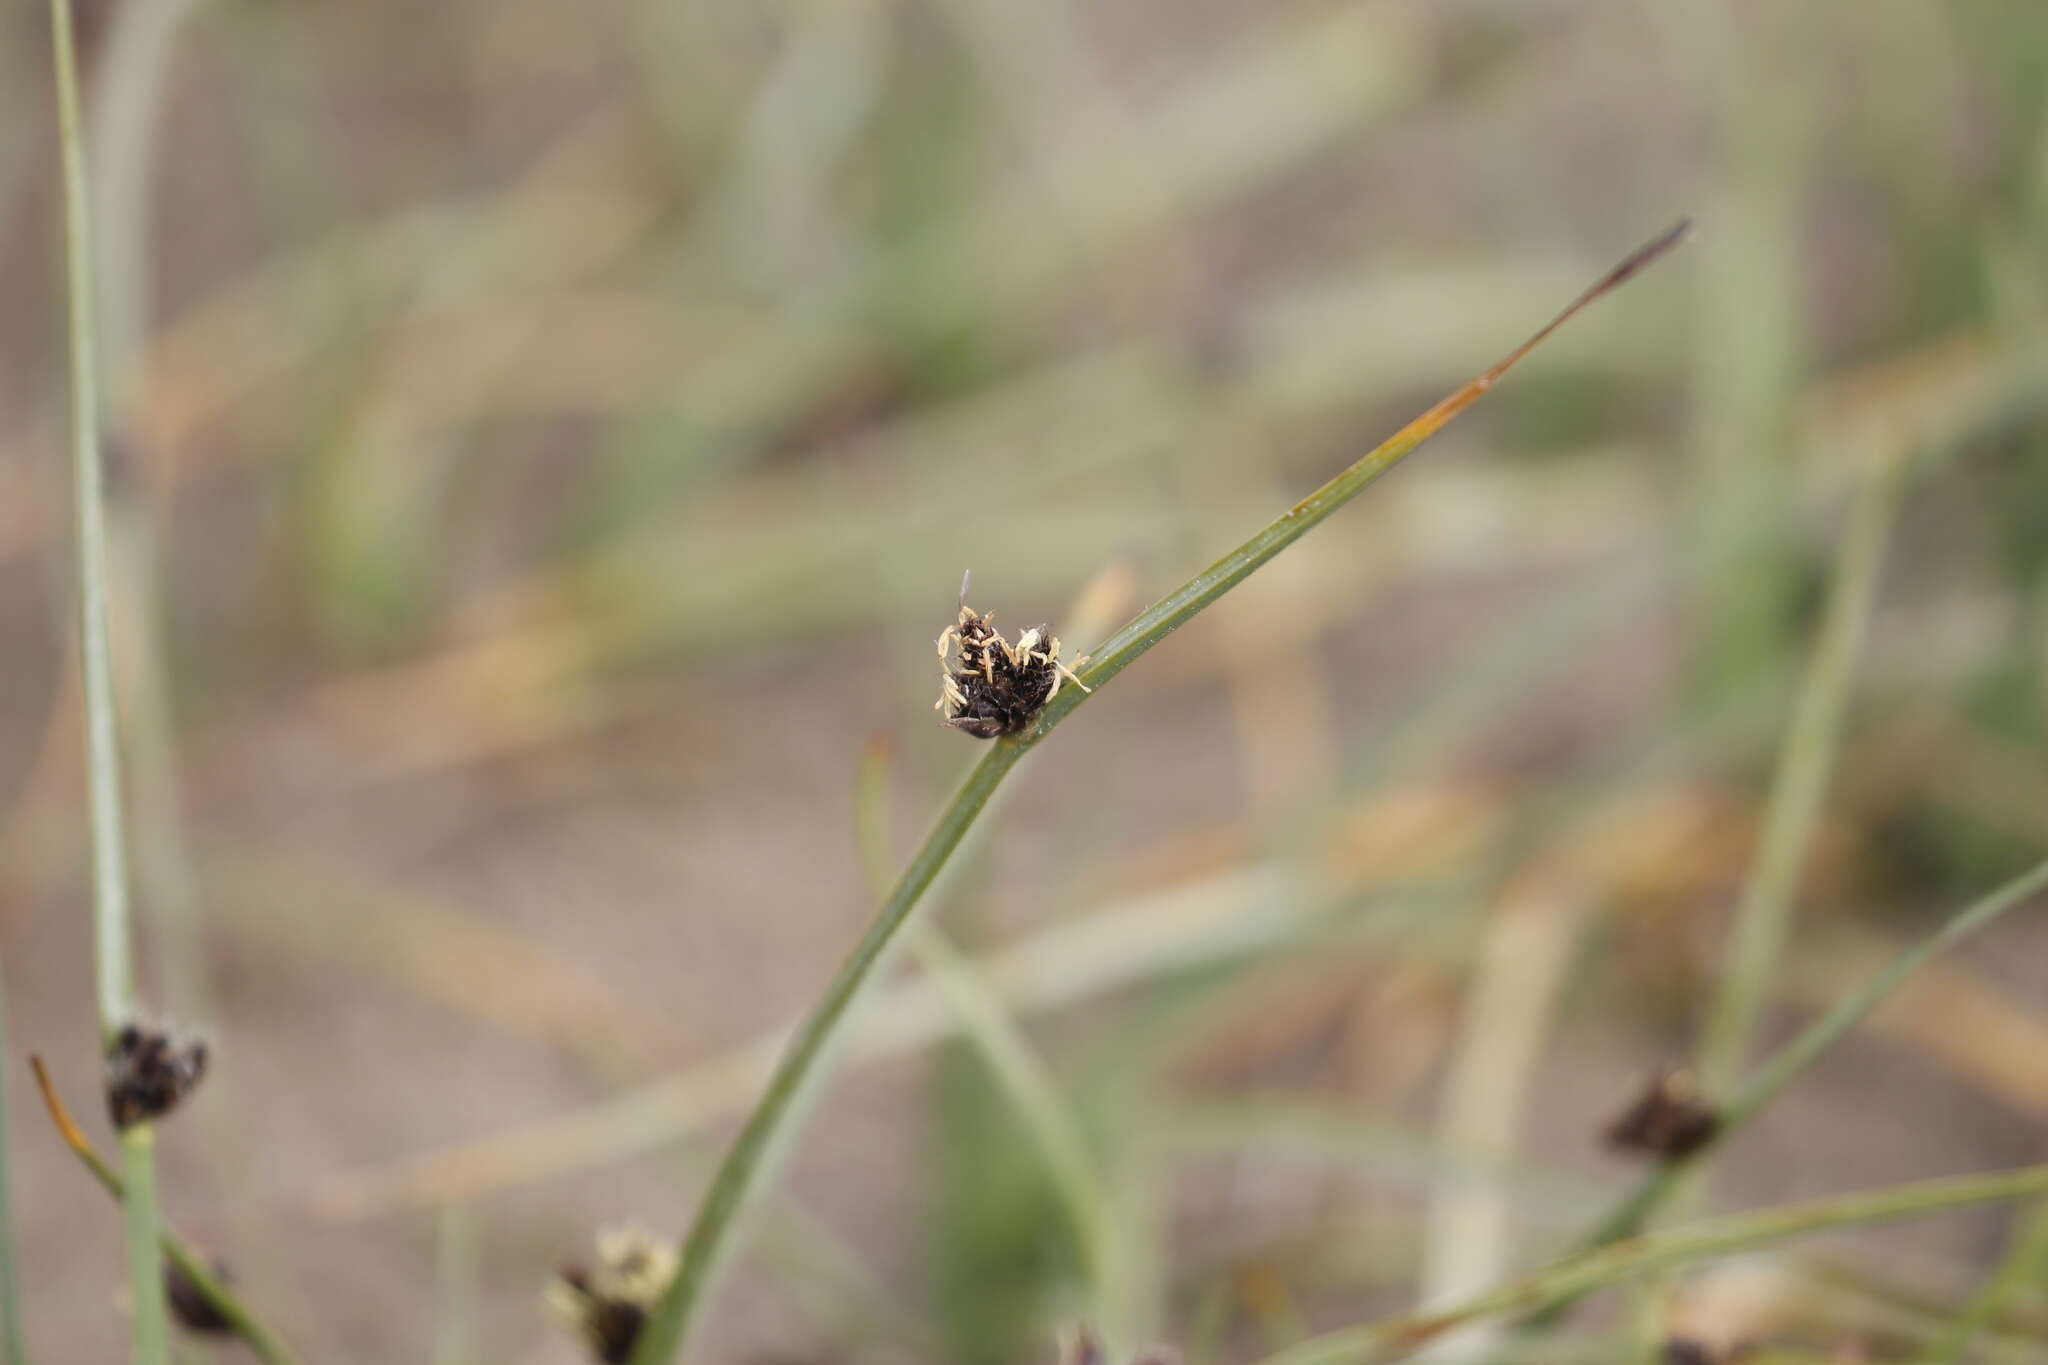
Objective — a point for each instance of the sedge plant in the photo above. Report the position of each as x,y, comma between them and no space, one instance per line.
707,1245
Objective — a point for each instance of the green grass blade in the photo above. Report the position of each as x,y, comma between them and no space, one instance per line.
1181,605
456,1272
1018,1069
708,1242
1765,1083
2024,1265
705,1249
1763,919
115,970
114,965
1576,1276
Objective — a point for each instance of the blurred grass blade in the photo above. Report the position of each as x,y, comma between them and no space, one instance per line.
115,969
708,1242
222,1299
456,1269
1764,1084
12,1331
1016,1066
1576,1276
2023,1267
1763,919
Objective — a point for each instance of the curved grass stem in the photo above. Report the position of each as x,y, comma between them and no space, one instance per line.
193,1267
708,1243
1027,1084
2024,1264
1763,920
1767,1081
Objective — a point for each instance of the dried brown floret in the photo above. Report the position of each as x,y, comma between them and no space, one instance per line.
193,1310
1686,1351
1668,1121
608,1306
990,687
150,1071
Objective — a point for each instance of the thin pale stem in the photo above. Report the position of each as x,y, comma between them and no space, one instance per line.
455,1267
115,969
1764,918
12,1331
708,1242
151,1327
109,848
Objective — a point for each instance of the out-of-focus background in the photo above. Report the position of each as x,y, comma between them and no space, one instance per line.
547,438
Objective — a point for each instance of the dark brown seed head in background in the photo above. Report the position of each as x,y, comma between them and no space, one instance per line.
193,1310
149,1072
1669,1121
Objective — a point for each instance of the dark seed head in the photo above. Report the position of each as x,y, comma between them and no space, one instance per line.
149,1071
991,687
193,1310
1667,1121
1685,1351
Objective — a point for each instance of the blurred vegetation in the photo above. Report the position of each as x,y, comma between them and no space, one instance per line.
547,438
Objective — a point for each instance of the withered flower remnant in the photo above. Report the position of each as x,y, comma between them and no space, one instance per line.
989,687
1668,1121
149,1072
193,1310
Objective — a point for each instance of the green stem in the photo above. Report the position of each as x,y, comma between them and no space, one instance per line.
223,1300
12,1330
145,1262
1395,1338
115,969
110,867
708,1242
455,1268
2024,1265
1763,921
1025,1080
